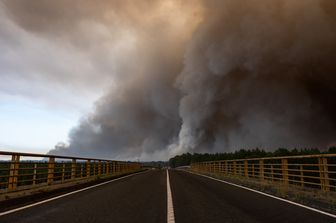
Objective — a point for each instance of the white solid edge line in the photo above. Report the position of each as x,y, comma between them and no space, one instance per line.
170,207
268,195
64,195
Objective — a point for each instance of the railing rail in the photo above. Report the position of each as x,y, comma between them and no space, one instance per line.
22,172
314,171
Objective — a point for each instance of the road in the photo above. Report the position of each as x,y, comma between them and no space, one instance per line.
199,199
143,198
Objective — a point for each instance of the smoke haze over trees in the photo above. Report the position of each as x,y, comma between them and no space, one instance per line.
193,76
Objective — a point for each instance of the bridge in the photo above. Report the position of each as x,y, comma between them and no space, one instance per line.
46,188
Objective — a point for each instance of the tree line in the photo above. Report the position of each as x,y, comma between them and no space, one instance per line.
187,158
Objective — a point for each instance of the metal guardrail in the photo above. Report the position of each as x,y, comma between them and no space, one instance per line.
314,171
17,173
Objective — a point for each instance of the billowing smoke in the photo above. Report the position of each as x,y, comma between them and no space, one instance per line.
260,73
199,76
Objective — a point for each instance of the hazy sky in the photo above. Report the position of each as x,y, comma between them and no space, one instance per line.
46,85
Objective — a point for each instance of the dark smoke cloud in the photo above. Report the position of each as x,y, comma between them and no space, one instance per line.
198,76
260,73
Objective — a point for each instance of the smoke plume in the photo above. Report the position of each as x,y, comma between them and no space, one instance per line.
198,76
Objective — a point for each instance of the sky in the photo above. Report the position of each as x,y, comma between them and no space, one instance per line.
45,87
151,79
31,127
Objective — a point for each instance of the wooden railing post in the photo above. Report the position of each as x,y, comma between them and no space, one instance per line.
73,169
113,167
284,170
324,176
88,168
13,172
226,167
246,169
234,168
261,170
99,168
51,167
107,167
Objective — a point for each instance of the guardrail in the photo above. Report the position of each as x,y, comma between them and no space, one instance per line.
314,171
27,170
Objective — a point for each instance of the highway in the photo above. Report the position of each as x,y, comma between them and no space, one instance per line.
143,198
199,199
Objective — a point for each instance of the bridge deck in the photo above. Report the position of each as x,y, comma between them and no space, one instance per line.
143,198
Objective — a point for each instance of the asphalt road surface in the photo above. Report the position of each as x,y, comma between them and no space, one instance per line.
143,198
199,199
138,198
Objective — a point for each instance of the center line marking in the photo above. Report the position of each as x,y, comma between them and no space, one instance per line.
170,207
